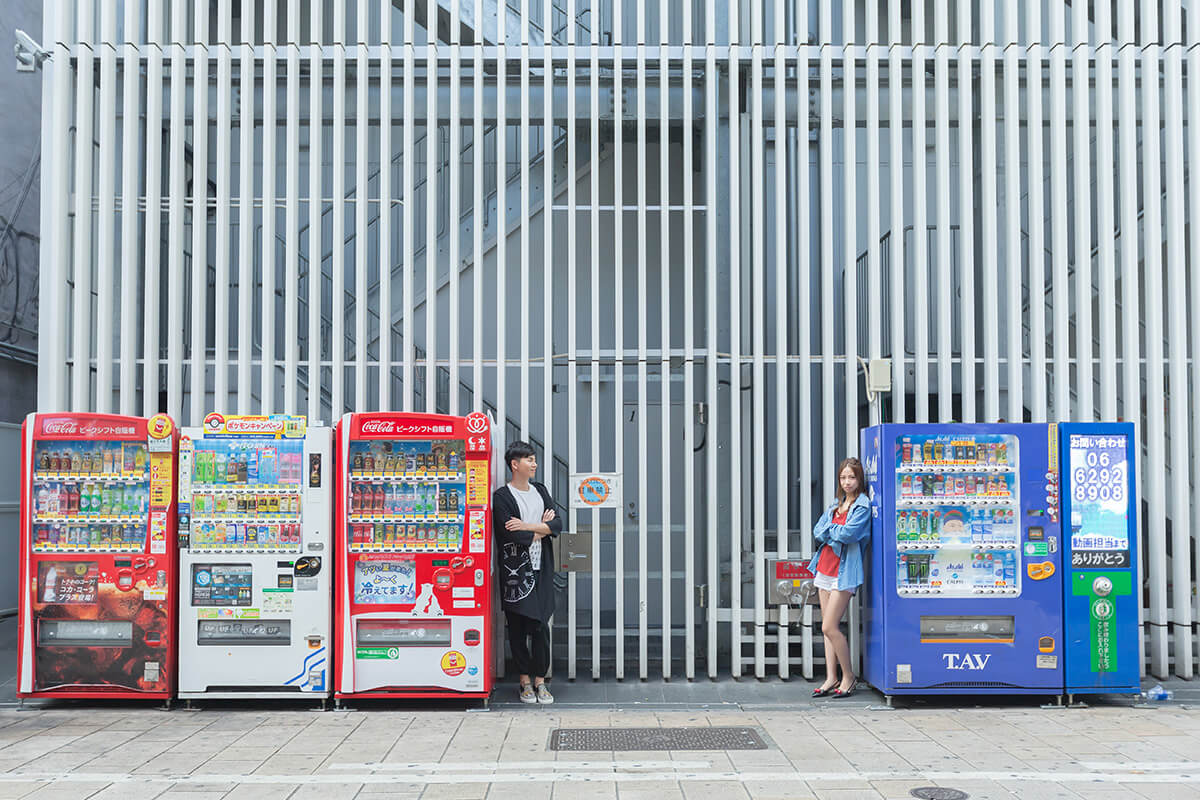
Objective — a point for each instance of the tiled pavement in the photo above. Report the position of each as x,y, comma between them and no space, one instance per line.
856,748
1014,751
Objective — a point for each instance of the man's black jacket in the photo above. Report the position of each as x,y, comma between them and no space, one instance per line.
523,589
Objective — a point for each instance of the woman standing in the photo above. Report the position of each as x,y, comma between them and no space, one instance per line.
840,534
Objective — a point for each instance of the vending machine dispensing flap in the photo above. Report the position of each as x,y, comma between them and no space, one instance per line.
404,633
84,633
959,629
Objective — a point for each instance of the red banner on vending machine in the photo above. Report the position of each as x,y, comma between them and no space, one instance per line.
98,556
413,589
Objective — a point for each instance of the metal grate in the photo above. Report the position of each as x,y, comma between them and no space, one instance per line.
974,685
938,793
609,739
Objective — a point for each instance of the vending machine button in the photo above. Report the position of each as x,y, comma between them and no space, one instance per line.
1102,586
468,562
479,577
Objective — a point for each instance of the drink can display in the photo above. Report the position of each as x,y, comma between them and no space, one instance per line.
960,486
906,451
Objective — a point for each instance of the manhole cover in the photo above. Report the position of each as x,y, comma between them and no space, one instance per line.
591,739
938,793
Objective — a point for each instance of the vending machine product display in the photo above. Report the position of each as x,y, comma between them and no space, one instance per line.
413,590
1100,591
97,557
254,540
965,587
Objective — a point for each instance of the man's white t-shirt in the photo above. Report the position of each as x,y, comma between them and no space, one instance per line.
532,508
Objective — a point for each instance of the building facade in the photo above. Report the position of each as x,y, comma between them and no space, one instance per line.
658,239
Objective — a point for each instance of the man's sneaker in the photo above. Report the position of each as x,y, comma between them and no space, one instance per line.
527,694
543,695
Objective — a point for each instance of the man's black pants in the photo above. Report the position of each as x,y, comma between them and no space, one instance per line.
530,642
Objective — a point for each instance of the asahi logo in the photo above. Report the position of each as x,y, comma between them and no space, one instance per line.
972,661
380,426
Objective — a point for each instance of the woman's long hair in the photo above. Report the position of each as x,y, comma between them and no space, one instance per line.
857,468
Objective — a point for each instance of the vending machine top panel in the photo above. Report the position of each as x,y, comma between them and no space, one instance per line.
273,426
475,428
96,426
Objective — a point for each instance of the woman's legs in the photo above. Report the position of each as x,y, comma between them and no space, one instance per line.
831,656
833,607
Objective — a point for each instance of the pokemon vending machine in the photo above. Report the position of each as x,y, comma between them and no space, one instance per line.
97,557
412,599
254,518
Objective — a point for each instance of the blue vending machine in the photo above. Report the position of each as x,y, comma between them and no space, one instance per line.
1100,591
964,590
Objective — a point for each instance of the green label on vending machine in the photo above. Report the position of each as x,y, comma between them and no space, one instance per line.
1101,588
377,652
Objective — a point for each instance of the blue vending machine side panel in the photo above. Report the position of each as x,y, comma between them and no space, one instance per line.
1100,594
966,582
877,581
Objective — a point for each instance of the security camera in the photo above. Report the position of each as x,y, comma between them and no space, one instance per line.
29,53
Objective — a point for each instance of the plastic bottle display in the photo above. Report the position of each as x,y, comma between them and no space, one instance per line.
957,528
407,496
90,496
246,495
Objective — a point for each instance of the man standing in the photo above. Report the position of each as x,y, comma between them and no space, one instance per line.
524,520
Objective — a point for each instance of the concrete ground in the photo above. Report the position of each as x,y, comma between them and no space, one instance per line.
855,748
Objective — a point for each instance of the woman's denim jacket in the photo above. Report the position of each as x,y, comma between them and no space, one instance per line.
846,540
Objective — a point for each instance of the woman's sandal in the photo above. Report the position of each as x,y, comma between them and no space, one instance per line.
838,693
818,692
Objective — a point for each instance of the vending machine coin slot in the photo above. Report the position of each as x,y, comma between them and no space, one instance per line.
307,566
442,578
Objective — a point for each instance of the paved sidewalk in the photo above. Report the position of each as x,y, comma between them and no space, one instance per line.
826,751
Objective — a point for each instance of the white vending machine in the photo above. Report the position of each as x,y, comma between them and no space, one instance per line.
255,507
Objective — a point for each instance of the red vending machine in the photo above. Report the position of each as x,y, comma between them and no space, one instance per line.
98,557
413,590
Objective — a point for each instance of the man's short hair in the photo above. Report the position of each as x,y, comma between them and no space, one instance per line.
516,451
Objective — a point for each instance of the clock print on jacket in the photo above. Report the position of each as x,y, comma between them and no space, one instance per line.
519,576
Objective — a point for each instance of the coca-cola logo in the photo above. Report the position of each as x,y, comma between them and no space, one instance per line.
59,426
85,430
379,426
